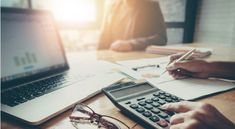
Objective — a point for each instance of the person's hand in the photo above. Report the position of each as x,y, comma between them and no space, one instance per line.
195,55
192,68
121,45
193,115
178,55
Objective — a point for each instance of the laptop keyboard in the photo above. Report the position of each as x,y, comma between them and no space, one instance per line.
32,90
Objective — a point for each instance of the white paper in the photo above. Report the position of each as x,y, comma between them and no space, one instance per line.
84,68
187,89
162,61
148,72
190,89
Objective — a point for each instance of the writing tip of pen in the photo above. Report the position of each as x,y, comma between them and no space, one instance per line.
163,72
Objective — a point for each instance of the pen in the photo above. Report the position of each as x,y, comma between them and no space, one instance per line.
184,57
141,67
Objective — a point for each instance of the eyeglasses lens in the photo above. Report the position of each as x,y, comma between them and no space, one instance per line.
83,117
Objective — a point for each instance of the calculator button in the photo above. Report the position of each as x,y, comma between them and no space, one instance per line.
140,110
174,97
162,96
177,100
155,110
155,99
161,92
156,94
154,118
134,106
168,99
155,104
167,95
162,109
163,115
148,101
140,99
128,102
162,123
170,113
147,114
161,102
142,103
148,106
168,119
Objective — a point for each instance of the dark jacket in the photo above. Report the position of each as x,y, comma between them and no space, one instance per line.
147,26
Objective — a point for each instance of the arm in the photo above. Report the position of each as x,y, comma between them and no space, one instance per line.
223,70
142,43
136,44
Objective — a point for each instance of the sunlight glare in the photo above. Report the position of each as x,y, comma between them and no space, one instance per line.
81,11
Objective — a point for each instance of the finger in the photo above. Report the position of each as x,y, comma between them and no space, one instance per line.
193,65
172,66
112,46
183,106
178,126
178,118
180,73
116,47
187,65
175,56
190,124
177,76
178,55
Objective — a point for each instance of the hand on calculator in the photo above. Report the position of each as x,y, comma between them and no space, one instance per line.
193,115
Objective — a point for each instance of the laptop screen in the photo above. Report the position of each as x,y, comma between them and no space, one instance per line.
30,45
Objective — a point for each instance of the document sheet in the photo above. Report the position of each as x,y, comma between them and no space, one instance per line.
150,69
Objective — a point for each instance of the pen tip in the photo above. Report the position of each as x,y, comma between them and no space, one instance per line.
163,72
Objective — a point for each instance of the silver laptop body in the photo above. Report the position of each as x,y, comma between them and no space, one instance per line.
36,83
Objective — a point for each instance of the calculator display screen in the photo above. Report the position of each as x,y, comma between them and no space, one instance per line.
130,90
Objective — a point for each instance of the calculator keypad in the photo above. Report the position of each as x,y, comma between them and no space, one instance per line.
149,106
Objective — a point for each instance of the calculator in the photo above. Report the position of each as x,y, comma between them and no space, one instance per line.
142,102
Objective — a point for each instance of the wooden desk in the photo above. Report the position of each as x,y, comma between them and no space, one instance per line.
225,102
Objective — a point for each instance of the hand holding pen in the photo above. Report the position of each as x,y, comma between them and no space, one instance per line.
182,68
186,56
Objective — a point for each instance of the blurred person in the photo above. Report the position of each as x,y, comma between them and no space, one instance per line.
132,25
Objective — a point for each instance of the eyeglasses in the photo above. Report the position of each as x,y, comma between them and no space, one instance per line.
84,117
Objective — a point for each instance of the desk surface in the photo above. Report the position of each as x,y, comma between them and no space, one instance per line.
224,102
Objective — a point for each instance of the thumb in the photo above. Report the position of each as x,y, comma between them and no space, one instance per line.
177,65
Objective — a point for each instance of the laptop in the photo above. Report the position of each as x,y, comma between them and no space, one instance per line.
36,83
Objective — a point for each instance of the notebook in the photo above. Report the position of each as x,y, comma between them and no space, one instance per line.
169,50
